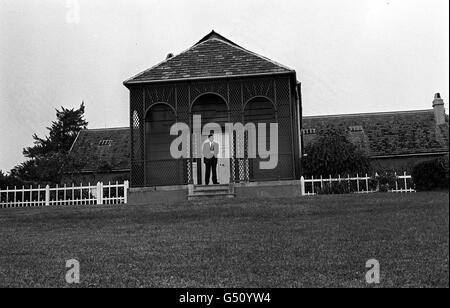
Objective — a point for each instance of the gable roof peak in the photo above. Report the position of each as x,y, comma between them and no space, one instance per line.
214,56
214,35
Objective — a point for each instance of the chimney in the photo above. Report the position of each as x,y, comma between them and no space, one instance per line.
439,110
170,55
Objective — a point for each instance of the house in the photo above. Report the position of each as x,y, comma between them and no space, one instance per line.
217,83
394,141
101,155
220,82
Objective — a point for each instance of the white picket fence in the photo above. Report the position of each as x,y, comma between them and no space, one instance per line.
360,184
111,193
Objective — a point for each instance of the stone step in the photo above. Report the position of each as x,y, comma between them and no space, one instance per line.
208,195
206,192
200,188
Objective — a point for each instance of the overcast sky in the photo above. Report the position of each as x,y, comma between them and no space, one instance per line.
351,55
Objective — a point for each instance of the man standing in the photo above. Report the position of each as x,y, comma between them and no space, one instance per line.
210,152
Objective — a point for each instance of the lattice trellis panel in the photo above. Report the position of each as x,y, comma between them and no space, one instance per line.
209,87
160,94
137,137
187,171
284,127
136,134
183,100
241,168
285,168
182,95
258,87
164,172
283,95
236,111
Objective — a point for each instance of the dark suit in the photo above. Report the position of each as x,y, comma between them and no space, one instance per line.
210,152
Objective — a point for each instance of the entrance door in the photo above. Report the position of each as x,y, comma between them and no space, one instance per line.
223,164
223,161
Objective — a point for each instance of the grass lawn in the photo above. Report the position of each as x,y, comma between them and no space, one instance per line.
321,241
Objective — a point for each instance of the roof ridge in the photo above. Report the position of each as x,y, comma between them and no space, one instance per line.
214,35
106,129
368,113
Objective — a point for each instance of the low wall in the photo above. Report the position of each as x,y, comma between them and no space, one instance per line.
272,189
162,195
173,194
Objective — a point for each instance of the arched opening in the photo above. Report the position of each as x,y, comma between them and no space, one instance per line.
161,168
260,110
213,109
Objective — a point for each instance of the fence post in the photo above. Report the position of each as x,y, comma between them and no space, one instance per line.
22,203
126,185
378,182
47,195
367,182
406,182
357,182
302,185
7,198
396,181
99,193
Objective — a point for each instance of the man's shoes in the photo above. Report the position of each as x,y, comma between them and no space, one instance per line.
216,183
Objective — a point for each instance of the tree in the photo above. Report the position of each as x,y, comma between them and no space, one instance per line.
333,154
48,158
9,181
62,133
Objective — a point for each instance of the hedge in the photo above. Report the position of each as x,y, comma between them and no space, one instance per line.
432,174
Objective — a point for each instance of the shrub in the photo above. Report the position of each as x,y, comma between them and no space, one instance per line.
9,181
444,164
332,154
432,174
386,181
335,188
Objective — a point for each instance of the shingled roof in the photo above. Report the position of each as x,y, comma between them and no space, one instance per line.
103,148
214,56
386,134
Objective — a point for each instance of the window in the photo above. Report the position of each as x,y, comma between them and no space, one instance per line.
356,128
309,131
105,142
